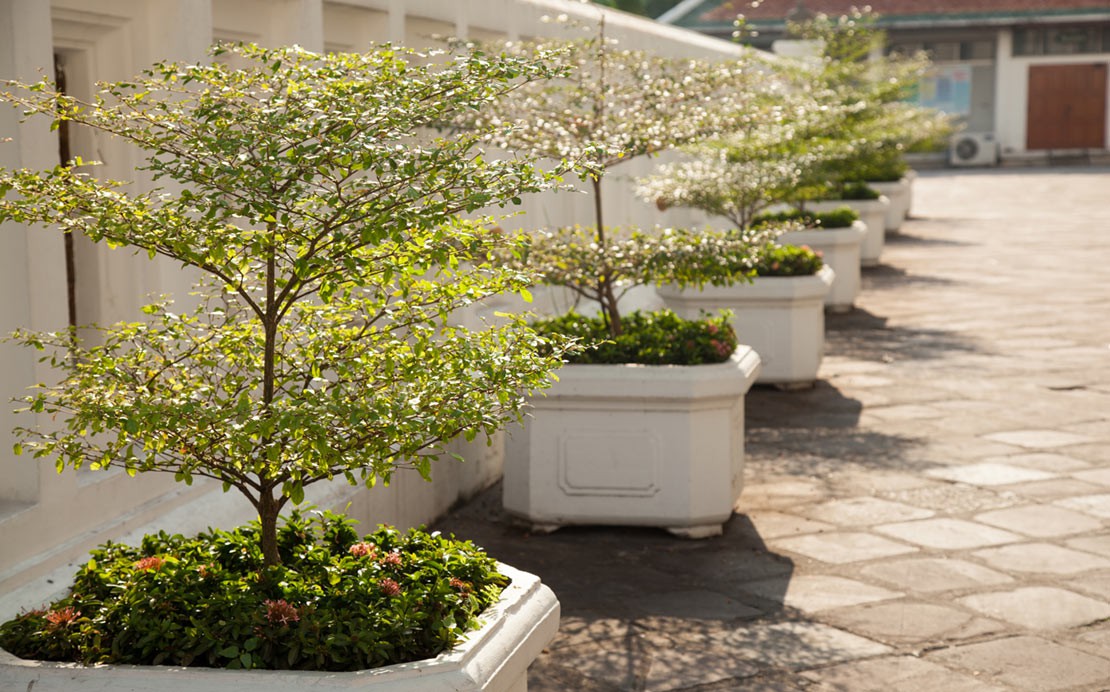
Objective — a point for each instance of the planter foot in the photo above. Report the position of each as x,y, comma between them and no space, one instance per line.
695,532
838,309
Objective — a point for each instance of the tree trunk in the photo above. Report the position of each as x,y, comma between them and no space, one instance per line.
606,295
268,510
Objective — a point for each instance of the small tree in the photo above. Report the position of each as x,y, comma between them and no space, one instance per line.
763,161
870,90
614,106
324,216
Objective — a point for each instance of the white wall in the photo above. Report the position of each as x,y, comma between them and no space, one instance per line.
47,520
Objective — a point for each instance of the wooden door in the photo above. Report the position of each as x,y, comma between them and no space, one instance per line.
1067,107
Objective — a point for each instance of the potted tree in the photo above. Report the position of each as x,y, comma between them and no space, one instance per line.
656,437
781,312
324,217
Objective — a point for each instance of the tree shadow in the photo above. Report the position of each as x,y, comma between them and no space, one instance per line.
910,240
860,335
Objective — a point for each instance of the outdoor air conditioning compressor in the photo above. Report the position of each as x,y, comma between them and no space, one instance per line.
973,149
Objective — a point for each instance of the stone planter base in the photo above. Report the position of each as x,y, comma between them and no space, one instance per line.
781,317
633,445
840,249
898,192
872,212
494,658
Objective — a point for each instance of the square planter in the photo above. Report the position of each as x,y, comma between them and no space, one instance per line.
872,212
781,317
840,249
633,445
493,658
898,192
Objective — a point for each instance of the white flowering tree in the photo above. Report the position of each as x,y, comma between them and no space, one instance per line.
313,195
616,105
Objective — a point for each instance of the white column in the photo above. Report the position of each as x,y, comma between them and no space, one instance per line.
32,267
397,22
299,22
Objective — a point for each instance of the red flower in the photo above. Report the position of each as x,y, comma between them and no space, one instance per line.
390,588
391,559
149,563
362,550
57,619
281,612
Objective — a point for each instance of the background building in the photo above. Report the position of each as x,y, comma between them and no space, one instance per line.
1028,75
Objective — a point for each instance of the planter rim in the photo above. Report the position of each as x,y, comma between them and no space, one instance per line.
731,378
843,235
866,204
786,287
526,610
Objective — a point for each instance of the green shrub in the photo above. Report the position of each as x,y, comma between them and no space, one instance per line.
857,191
337,602
841,217
649,338
788,260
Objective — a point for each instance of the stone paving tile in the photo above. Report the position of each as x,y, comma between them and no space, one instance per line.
1041,558
1092,544
1098,476
866,511
929,575
772,524
677,669
1027,663
1097,505
989,474
1056,488
1041,521
948,534
1096,585
895,674
576,630
1042,461
1038,439
816,592
1039,607
839,548
698,604
954,499
904,412
621,663
911,622
797,645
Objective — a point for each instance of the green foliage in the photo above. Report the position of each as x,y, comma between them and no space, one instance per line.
841,217
336,603
788,260
649,338
324,211
857,190
880,167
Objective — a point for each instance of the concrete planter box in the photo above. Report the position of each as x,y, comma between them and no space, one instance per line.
898,192
634,445
781,317
494,658
840,248
872,212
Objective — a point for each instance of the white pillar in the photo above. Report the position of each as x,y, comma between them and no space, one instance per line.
32,267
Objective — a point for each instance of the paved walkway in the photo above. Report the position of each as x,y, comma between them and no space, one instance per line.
934,515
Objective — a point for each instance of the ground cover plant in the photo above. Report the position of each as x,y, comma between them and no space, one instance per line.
337,602
788,260
841,217
322,210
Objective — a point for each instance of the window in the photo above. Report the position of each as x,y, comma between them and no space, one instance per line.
1062,40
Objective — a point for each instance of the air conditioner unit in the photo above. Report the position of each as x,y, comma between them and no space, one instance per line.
973,149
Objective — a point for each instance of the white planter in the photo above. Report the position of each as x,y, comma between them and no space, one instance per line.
898,192
840,249
872,212
633,445
494,658
781,317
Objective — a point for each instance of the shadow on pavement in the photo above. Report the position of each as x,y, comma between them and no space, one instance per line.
861,335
